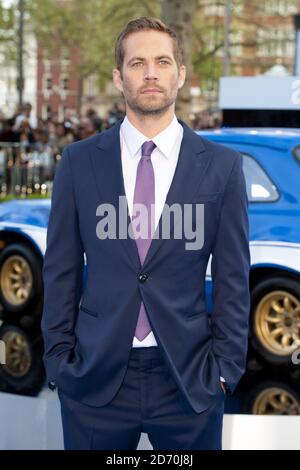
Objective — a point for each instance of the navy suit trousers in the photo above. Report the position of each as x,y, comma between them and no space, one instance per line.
148,401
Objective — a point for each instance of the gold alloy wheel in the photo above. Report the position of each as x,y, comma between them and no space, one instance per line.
276,401
16,280
277,322
17,354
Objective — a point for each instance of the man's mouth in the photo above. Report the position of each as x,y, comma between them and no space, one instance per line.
151,90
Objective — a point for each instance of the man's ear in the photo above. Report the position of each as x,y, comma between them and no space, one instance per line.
117,79
182,75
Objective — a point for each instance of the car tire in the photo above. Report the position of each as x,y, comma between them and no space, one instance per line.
23,371
272,397
21,283
273,307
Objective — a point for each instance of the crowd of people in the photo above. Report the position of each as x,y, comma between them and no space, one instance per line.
38,134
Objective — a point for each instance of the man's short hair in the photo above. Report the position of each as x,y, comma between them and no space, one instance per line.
145,23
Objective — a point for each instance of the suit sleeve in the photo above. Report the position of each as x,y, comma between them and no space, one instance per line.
62,270
230,276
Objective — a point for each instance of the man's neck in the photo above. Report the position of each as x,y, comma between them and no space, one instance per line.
150,126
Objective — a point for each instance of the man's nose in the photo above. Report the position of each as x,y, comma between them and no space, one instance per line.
151,72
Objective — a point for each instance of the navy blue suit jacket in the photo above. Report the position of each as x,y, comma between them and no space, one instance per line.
88,329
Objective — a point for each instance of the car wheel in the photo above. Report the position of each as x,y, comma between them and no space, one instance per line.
21,370
275,319
273,398
20,280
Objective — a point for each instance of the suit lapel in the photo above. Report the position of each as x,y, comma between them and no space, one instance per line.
107,167
192,164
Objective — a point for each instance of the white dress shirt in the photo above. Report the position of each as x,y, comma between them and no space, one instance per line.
164,160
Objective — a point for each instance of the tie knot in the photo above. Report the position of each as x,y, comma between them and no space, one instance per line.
147,148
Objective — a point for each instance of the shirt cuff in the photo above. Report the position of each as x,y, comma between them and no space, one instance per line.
52,385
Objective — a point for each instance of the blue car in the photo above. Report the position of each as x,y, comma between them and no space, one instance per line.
271,162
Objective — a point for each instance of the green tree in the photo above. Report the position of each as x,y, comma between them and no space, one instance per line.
8,44
90,28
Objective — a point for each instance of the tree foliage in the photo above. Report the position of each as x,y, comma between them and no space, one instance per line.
90,27
8,41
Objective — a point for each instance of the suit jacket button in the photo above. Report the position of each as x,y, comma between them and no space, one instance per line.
143,277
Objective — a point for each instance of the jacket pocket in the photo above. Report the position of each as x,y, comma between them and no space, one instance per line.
88,311
197,314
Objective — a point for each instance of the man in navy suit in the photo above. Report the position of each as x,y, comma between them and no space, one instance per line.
132,349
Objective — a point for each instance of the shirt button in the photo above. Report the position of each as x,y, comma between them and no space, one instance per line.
143,277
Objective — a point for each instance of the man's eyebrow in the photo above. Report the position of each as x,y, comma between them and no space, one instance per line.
143,58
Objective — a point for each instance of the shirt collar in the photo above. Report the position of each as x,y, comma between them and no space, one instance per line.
134,139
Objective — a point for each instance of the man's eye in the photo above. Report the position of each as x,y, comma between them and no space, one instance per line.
163,61
135,64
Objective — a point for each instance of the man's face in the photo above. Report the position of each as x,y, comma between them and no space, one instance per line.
27,109
150,77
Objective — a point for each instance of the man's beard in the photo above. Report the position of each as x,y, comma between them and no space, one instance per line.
150,108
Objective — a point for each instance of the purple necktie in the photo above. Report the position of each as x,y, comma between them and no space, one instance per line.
144,194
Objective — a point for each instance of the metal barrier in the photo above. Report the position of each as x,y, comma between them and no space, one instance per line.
26,169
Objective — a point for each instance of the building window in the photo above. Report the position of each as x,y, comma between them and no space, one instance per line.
280,7
61,113
213,9
46,111
48,83
49,111
65,83
276,42
65,53
91,86
236,40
